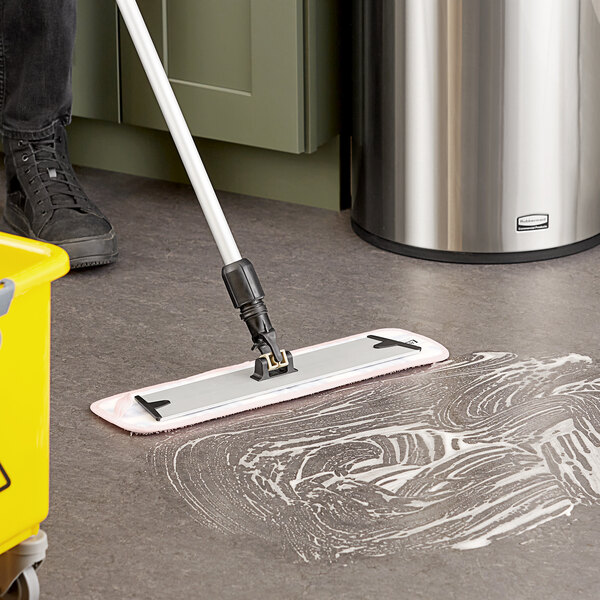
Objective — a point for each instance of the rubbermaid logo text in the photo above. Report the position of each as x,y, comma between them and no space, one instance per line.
529,222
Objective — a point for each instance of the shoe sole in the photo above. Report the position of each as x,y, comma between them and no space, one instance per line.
92,251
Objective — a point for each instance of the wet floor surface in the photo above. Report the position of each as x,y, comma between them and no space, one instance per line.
122,522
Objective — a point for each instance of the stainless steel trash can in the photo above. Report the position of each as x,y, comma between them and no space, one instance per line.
476,133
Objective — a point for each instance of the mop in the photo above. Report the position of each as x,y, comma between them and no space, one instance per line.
275,375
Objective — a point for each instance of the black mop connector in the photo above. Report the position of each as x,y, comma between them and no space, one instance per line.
247,295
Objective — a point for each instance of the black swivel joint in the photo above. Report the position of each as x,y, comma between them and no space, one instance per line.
247,295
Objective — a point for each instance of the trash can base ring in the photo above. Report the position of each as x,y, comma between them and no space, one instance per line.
488,258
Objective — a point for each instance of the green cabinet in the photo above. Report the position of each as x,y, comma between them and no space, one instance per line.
235,67
96,93
261,73
258,82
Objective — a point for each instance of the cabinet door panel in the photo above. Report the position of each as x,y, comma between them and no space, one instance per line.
236,67
96,61
230,67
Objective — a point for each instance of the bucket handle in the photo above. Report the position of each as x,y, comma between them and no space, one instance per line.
7,292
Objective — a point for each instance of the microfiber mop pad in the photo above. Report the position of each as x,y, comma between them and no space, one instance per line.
230,390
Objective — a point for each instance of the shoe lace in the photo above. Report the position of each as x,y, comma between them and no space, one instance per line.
52,173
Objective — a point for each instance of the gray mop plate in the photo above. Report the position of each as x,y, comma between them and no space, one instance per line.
235,386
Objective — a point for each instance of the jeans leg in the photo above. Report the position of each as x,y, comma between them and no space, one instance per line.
36,50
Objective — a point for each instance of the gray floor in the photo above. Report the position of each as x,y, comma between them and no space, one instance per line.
117,531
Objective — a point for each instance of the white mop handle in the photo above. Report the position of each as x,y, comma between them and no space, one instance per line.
179,130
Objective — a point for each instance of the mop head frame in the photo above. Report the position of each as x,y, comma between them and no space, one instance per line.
231,390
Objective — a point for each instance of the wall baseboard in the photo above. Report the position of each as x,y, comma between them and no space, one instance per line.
309,179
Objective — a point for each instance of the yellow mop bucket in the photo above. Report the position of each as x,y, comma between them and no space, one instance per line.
27,268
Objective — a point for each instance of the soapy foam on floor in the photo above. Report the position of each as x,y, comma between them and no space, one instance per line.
452,456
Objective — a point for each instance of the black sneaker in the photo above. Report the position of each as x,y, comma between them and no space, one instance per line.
46,202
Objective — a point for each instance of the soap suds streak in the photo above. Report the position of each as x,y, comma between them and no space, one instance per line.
456,456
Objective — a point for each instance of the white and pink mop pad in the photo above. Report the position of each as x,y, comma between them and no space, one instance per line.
231,390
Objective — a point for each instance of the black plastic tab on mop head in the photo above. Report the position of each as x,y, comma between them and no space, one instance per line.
152,407
387,343
262,371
